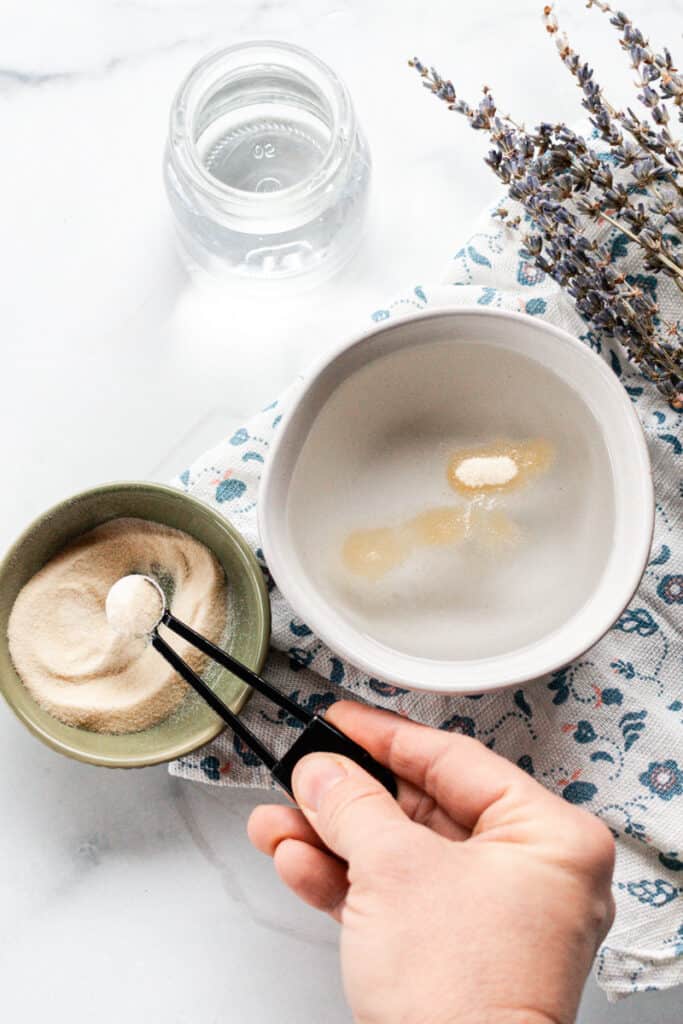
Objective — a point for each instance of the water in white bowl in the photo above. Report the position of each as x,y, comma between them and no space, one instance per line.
377,456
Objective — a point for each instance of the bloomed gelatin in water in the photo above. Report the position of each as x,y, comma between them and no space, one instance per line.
493,529
433,563
527,459
373,553
438,526
492,469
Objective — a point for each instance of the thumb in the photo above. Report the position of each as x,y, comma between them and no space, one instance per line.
347,807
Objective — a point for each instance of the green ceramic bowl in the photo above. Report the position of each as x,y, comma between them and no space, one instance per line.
191,725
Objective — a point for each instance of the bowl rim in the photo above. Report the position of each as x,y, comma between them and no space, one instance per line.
180,749
442,676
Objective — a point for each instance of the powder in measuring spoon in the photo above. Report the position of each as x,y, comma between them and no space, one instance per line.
134,606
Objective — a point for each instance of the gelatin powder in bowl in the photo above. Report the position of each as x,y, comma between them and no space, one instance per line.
71,660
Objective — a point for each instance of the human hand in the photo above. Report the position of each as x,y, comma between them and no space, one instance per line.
476,898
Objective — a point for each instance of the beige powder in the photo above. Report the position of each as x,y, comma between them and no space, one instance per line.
134,606
486,471
69,657
498,467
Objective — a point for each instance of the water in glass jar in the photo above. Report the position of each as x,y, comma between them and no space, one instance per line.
262,149
292,168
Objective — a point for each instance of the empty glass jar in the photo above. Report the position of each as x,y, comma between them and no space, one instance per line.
266,168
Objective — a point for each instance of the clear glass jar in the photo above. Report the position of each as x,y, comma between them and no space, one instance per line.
266,168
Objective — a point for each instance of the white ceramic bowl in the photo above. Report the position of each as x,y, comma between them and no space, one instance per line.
376,419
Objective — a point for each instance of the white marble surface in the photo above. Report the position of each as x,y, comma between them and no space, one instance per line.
132,896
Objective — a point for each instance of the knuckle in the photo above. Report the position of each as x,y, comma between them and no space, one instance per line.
609,911
401,752
601,847
592,846
601,837
424,810
600,914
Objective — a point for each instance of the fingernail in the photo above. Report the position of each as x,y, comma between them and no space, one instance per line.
313,777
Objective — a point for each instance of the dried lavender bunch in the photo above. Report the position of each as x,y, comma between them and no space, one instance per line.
562,183
654,161
659,79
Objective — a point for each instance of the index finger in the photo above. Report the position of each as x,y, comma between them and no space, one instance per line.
462,775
